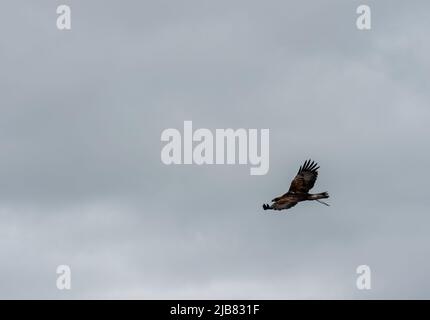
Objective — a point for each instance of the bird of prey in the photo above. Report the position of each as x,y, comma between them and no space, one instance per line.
299,189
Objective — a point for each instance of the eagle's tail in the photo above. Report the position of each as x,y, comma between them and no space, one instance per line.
318,196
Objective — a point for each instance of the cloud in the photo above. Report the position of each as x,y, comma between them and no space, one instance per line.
82,182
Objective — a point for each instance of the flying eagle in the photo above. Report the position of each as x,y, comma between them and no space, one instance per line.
299,189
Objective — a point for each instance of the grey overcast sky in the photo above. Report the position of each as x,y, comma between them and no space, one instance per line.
82,183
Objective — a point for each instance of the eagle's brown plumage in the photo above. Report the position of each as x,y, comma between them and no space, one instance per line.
299,188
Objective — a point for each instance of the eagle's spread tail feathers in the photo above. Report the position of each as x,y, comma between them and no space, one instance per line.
316,196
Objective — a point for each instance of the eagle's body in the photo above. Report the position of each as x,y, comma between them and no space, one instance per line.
299,189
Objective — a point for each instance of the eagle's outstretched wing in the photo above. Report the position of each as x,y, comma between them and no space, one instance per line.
283,203
305,178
